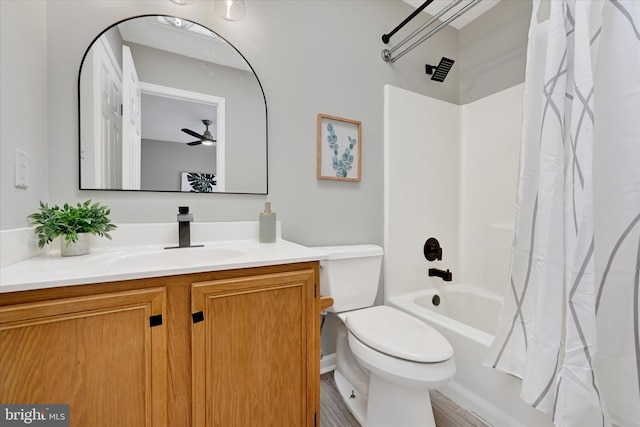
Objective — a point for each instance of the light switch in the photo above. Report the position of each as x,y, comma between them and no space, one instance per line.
20,166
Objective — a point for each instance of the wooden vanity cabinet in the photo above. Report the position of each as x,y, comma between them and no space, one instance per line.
253,351
232,348
97,353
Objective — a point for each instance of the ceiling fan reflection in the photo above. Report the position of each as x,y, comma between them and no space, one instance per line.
205,139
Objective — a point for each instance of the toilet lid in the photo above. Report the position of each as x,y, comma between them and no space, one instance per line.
398,334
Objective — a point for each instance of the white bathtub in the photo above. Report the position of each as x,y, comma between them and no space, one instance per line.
468,317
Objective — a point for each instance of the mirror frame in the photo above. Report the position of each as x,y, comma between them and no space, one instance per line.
266,111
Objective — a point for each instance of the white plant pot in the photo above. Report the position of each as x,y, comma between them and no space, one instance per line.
81,247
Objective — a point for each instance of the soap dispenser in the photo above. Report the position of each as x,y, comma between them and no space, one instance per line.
267,225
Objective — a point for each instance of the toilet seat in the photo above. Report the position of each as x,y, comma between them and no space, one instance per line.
398,334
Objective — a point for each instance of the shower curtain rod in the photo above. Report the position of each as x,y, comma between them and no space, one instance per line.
387,37
387,54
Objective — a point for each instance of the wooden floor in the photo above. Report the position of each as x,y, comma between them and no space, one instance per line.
334,413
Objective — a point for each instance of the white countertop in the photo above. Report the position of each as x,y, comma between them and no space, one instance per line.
107,265
113,263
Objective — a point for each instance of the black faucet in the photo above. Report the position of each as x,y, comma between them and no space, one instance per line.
184,228
445,275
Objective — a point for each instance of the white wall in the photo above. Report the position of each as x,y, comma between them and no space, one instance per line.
311,57
450,173
493,50
23,104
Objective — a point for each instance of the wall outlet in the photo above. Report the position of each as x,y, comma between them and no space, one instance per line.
20,167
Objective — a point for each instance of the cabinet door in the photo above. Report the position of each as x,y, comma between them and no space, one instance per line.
99,354
253,351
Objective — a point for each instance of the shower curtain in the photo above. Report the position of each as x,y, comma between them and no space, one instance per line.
569,326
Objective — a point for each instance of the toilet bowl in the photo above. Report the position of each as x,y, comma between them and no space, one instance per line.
386,360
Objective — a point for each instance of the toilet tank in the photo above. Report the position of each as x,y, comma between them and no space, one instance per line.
350,275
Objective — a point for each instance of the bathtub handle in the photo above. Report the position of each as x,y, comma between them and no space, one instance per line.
432,250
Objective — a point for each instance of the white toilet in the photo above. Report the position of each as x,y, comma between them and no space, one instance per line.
386,360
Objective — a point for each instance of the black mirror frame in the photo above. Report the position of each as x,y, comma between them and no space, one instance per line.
84,56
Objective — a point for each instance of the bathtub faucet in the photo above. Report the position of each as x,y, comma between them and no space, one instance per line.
445,275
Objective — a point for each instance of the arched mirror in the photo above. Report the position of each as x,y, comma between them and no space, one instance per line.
166,104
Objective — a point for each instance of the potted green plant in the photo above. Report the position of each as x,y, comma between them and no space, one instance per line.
75,224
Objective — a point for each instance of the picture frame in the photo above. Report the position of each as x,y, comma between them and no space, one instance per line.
339,148
198,182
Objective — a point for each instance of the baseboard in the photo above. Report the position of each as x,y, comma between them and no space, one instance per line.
479,407
327,363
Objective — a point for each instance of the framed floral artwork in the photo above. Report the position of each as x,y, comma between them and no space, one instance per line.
339,148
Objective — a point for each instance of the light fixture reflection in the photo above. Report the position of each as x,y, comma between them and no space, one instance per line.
182,2
176,22
231,10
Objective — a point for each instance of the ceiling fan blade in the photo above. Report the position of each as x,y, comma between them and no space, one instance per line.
194,143
192,133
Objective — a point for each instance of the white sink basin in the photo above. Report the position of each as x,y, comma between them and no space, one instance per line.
177,257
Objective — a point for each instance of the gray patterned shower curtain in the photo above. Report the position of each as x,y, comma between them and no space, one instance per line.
569,327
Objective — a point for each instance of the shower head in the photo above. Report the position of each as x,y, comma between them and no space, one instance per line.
440,72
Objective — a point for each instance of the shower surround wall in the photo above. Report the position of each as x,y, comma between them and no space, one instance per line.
421,183
490,137
450,173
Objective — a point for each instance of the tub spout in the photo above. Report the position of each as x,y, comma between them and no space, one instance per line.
447,276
